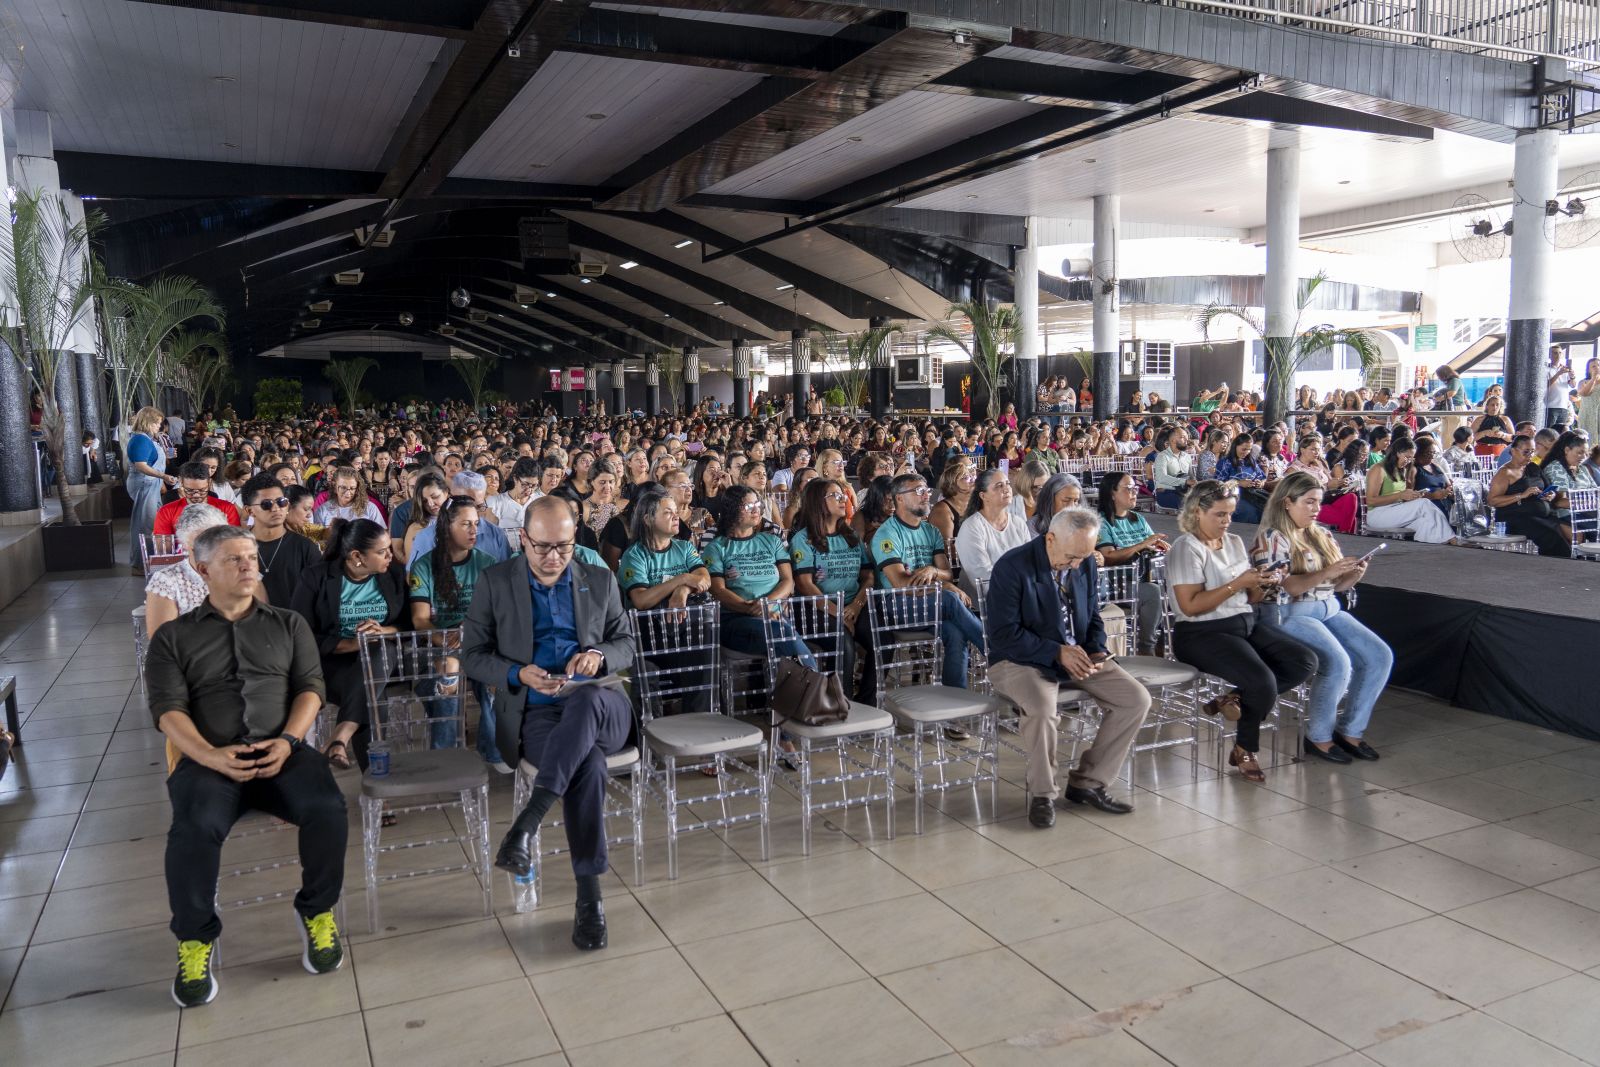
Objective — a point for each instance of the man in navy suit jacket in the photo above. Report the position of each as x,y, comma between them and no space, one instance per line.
1045,632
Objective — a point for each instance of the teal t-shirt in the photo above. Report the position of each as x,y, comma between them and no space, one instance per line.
835,569
748,565
585,554
895,542
643,565
467,571
359,601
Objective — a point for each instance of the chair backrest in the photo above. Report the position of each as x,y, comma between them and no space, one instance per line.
677,653
400,672
905,629
810,619
1120,585
1488,464
1585,521
159,550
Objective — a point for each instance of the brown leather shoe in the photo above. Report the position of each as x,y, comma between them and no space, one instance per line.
1226,705
1249,769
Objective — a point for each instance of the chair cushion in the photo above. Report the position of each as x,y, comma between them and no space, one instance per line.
1154,672
1589,549
619,761
863,719
937,703
700,734
439,770
1496,540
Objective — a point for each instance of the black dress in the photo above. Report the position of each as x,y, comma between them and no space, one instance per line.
1532,519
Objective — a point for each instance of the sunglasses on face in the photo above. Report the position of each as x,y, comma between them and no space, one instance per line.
268,505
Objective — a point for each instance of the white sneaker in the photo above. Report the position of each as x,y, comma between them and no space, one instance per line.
500,766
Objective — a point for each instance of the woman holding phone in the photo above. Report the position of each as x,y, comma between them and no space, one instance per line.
1522,501
1214,630
1394,502
1353,663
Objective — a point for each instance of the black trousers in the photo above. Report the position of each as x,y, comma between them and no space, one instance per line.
1259,661
206,804
569,743
341,673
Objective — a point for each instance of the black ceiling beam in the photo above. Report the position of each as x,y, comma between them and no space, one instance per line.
437,18
147,177
151,244
229,259
693,318
661,332
492,189
659,38
890,59
773,316
479,85
1041,83
942,266
758,204
1274,107
849,302
990,153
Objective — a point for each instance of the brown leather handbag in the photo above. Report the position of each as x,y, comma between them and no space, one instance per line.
808,697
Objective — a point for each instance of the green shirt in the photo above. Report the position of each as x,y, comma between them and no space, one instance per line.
643,565
747,565
467,571
1126,531
359,601
837,568
1205,406
895,542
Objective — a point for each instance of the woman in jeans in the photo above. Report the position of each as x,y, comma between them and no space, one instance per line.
1214,628
1352,662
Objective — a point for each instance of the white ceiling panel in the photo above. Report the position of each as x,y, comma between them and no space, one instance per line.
150,80
1197,171
735,18
904,128
547,134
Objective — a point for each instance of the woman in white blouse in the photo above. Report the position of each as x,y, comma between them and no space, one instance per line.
990,528
173,590
1214,628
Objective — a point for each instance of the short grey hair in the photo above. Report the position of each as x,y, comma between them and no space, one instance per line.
467,482
211,539
1070,521
194,519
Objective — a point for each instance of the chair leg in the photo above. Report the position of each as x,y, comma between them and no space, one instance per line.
636,798
480,801
916,765
762,780
885,747
805,793
371,831
672,818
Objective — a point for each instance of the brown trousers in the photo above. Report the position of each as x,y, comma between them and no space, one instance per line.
1123,700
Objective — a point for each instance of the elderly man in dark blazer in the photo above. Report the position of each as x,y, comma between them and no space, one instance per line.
538,622
1045,632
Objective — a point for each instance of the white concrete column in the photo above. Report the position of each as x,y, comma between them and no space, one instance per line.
1025,288
1282,287
1533,177
1107,380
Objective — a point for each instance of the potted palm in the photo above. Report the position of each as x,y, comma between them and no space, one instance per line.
45,271
994,335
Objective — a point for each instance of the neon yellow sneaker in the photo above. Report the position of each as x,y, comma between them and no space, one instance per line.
320,936
196,983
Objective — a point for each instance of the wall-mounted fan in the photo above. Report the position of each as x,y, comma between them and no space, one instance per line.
1573,217
1477,228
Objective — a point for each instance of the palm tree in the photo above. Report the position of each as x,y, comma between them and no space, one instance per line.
135,324
1286,355
44,267
851,355
347,375
199,364
475,373
994,336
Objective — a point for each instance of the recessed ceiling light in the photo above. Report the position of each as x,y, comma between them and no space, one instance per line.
786,285
718,303
629,265
526,306
1346,181
595,116
972,196
586,281
685,243
857,140
666,314
1090,160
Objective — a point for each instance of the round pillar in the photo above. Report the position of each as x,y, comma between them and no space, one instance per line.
741,379
1106,381
1533,175
1025,289
691,380
800,367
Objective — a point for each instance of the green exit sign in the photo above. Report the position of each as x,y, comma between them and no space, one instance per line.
1427,339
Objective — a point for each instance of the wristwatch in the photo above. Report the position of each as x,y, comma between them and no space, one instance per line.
294,742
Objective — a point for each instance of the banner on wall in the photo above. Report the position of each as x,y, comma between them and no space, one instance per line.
575,379
555,381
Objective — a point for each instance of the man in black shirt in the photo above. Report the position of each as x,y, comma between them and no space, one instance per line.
283,553
235,685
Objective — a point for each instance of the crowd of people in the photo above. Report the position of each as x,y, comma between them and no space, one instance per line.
536,534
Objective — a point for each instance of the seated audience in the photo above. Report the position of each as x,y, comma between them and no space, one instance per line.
1394,503
1126,538
283,553
172,590
989,529
194,487
747,564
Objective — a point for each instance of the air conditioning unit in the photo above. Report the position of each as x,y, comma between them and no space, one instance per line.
322,307
478,315
589,270
526,295
447,330
382,239
310,324
349,277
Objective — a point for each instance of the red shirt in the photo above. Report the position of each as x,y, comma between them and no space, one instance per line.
167,516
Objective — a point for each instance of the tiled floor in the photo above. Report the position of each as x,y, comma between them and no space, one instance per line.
1441,906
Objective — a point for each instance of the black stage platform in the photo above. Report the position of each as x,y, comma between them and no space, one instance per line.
1495,632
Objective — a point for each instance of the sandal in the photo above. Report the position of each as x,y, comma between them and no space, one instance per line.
1249,769
1226,705
341,762
390,818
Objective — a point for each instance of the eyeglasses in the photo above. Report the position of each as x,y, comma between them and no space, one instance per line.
919,491
752,507
276,502
540,548
840,497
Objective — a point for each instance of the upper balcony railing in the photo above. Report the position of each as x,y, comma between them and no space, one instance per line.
1510,29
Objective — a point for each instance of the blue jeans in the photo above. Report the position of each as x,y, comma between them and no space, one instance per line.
743,633
486,724
1351,659
957,627
1170,498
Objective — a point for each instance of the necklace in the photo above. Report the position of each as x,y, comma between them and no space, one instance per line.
266,568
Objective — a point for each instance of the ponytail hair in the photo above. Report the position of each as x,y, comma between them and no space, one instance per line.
351,535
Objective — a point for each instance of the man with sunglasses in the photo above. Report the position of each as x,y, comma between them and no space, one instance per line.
536,622
194,487
283,553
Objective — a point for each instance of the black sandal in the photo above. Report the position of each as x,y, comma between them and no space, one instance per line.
341,762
